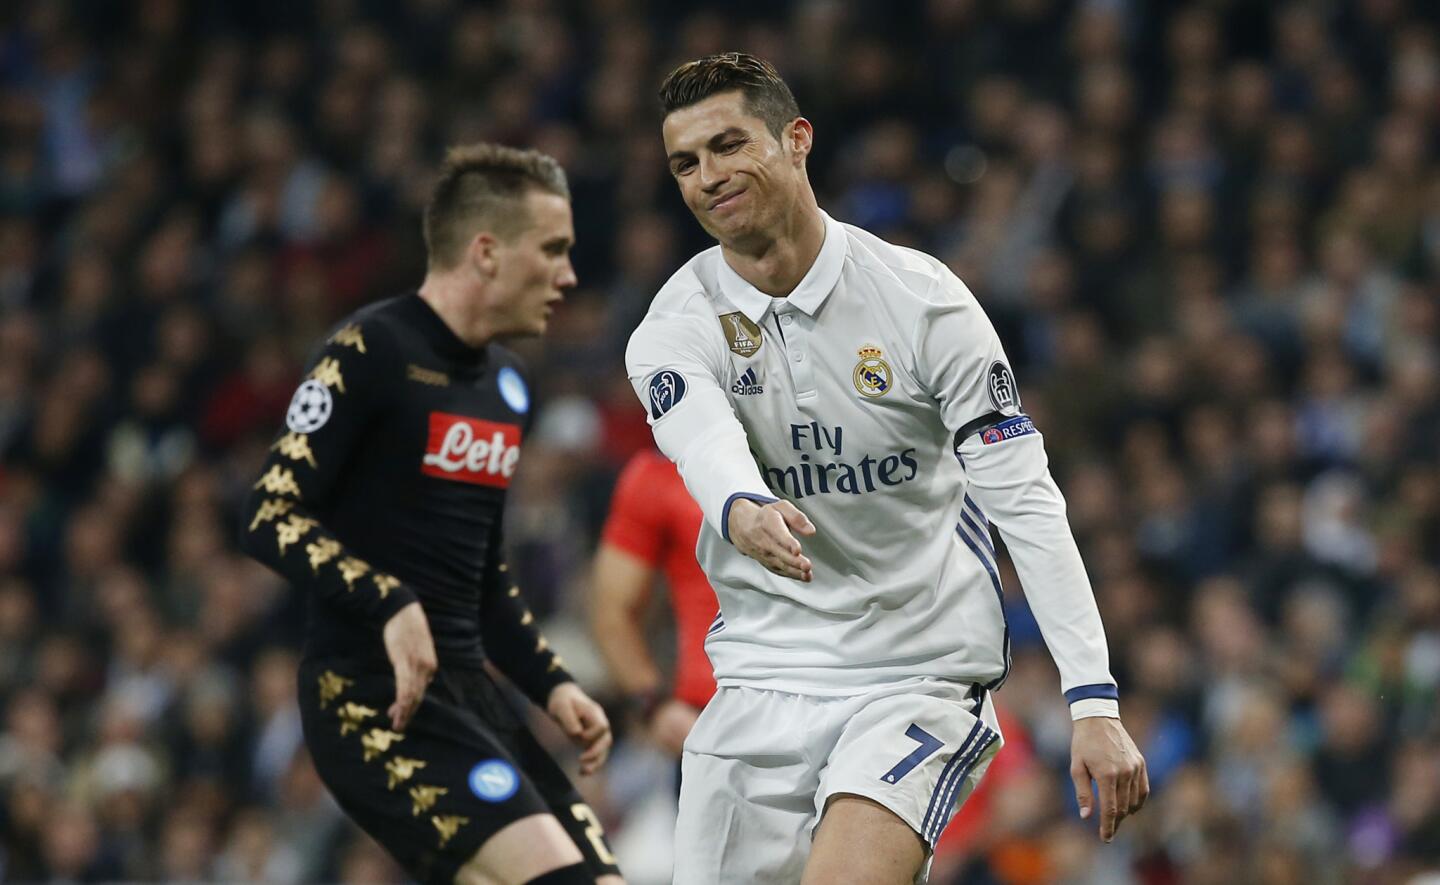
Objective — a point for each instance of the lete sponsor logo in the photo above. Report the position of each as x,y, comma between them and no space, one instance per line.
471,450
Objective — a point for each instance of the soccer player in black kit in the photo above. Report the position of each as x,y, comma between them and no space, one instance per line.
382,499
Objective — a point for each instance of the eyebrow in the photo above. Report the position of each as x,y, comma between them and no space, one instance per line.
712,144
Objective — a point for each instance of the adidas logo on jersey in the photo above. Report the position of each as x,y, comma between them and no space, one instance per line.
747,384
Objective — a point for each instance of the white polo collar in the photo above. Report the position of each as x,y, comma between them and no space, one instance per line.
812,291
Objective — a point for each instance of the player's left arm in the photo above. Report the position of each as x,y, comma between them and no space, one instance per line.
514,643
959,358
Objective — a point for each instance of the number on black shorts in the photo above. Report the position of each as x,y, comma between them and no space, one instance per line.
593,831
929,744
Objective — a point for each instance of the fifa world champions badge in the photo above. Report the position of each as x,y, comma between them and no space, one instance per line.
741,336
872,374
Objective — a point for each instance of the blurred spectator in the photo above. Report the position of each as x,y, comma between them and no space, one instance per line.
1209,234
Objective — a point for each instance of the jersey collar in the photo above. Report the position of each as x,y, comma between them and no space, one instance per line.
812,291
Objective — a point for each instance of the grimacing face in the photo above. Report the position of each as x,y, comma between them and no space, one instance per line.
532,268
738,179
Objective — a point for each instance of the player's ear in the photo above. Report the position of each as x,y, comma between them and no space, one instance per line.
482,254
799,136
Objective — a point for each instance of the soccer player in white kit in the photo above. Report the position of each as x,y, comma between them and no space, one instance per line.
811,379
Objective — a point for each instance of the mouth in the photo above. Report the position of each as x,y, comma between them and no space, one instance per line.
727,200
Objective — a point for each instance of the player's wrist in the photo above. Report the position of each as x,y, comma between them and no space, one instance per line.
1091,708
558,690
397,600
739,507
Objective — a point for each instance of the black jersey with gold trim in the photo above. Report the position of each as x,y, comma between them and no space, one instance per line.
387,485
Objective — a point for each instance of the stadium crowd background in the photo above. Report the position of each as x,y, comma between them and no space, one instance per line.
1209,236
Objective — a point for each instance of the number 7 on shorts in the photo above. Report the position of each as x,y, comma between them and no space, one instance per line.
929,744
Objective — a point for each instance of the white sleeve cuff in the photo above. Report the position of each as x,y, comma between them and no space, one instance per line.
1088,708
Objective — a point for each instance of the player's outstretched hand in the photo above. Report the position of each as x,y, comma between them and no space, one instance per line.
1101,750
412,654
766,534
583,721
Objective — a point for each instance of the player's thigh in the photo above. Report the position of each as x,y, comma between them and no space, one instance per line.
432,795
861,841
918,755
747,790
522,850
742,823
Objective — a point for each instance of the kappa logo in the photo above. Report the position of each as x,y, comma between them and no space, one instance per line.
426,376
741,336
748,384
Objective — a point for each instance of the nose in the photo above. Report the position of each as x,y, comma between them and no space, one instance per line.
712,173
567,278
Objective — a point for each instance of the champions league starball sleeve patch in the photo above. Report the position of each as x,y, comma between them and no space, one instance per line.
667,389
310,407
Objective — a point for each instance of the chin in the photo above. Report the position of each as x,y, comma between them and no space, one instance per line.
727,229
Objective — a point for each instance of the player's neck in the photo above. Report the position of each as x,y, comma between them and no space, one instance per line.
453,300
778,260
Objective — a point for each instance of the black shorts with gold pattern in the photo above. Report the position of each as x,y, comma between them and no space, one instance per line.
464,768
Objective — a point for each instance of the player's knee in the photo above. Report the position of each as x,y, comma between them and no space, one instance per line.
575,874
530,847
470,874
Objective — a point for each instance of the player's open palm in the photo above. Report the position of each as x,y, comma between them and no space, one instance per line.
767,533
412,654
1101,750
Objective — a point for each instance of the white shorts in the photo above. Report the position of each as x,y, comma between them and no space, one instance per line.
760,766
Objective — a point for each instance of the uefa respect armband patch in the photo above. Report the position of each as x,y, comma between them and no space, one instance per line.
1020,425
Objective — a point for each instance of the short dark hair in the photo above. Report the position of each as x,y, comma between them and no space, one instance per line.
483,185
766,95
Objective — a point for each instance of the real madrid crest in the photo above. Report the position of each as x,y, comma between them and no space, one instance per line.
872,374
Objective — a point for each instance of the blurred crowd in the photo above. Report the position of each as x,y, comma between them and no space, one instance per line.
1209,235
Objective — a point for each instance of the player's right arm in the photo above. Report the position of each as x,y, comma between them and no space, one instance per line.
677,364
344,388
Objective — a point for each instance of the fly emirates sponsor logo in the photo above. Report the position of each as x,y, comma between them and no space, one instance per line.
471,450
822,471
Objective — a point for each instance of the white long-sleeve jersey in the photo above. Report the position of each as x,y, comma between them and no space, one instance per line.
876,397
